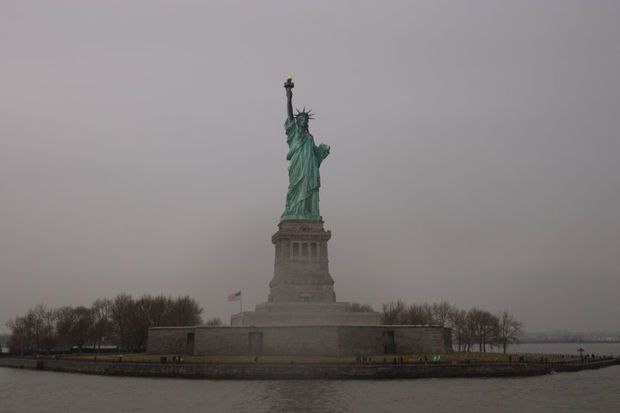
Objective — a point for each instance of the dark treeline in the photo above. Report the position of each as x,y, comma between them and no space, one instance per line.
470,329
123,322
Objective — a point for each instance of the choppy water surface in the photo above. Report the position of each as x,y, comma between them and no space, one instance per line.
586,391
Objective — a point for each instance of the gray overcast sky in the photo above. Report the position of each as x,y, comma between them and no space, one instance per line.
474,156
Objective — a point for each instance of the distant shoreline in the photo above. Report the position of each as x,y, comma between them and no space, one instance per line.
265,371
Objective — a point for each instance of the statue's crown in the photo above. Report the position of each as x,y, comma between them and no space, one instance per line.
308,114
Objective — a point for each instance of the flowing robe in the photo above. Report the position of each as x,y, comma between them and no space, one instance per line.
302,199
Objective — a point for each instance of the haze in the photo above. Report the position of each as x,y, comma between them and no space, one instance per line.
474,151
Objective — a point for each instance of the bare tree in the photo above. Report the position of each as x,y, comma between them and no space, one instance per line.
214,322
442,312
185,311
35,325
131,318
363,308
393,313
33,332
20,339
82,327
481,326
508,329
460,333
101,328
418,314
44,320
123,315
124,321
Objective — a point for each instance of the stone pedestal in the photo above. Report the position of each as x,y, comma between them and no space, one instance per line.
301,270
302,290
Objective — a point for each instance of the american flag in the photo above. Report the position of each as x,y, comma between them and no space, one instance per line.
235,297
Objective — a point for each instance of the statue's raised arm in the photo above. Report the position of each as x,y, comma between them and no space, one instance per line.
289,85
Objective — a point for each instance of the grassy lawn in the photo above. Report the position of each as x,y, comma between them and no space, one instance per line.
376,359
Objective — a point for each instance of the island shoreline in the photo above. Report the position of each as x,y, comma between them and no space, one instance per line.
296,371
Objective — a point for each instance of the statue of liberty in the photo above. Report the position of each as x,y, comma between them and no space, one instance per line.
302,199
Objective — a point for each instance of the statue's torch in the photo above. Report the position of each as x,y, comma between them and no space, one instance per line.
289,83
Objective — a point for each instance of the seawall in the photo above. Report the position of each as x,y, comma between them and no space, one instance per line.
265,371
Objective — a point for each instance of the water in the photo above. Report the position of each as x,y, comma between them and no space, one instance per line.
586,391
567,348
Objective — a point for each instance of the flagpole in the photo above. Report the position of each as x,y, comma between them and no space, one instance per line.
240,302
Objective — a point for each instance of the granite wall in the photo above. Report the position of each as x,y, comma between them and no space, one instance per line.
171,340
300,340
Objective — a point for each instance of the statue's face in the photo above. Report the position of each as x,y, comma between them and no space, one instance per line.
302,121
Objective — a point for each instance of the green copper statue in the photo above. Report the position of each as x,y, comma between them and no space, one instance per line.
302,199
